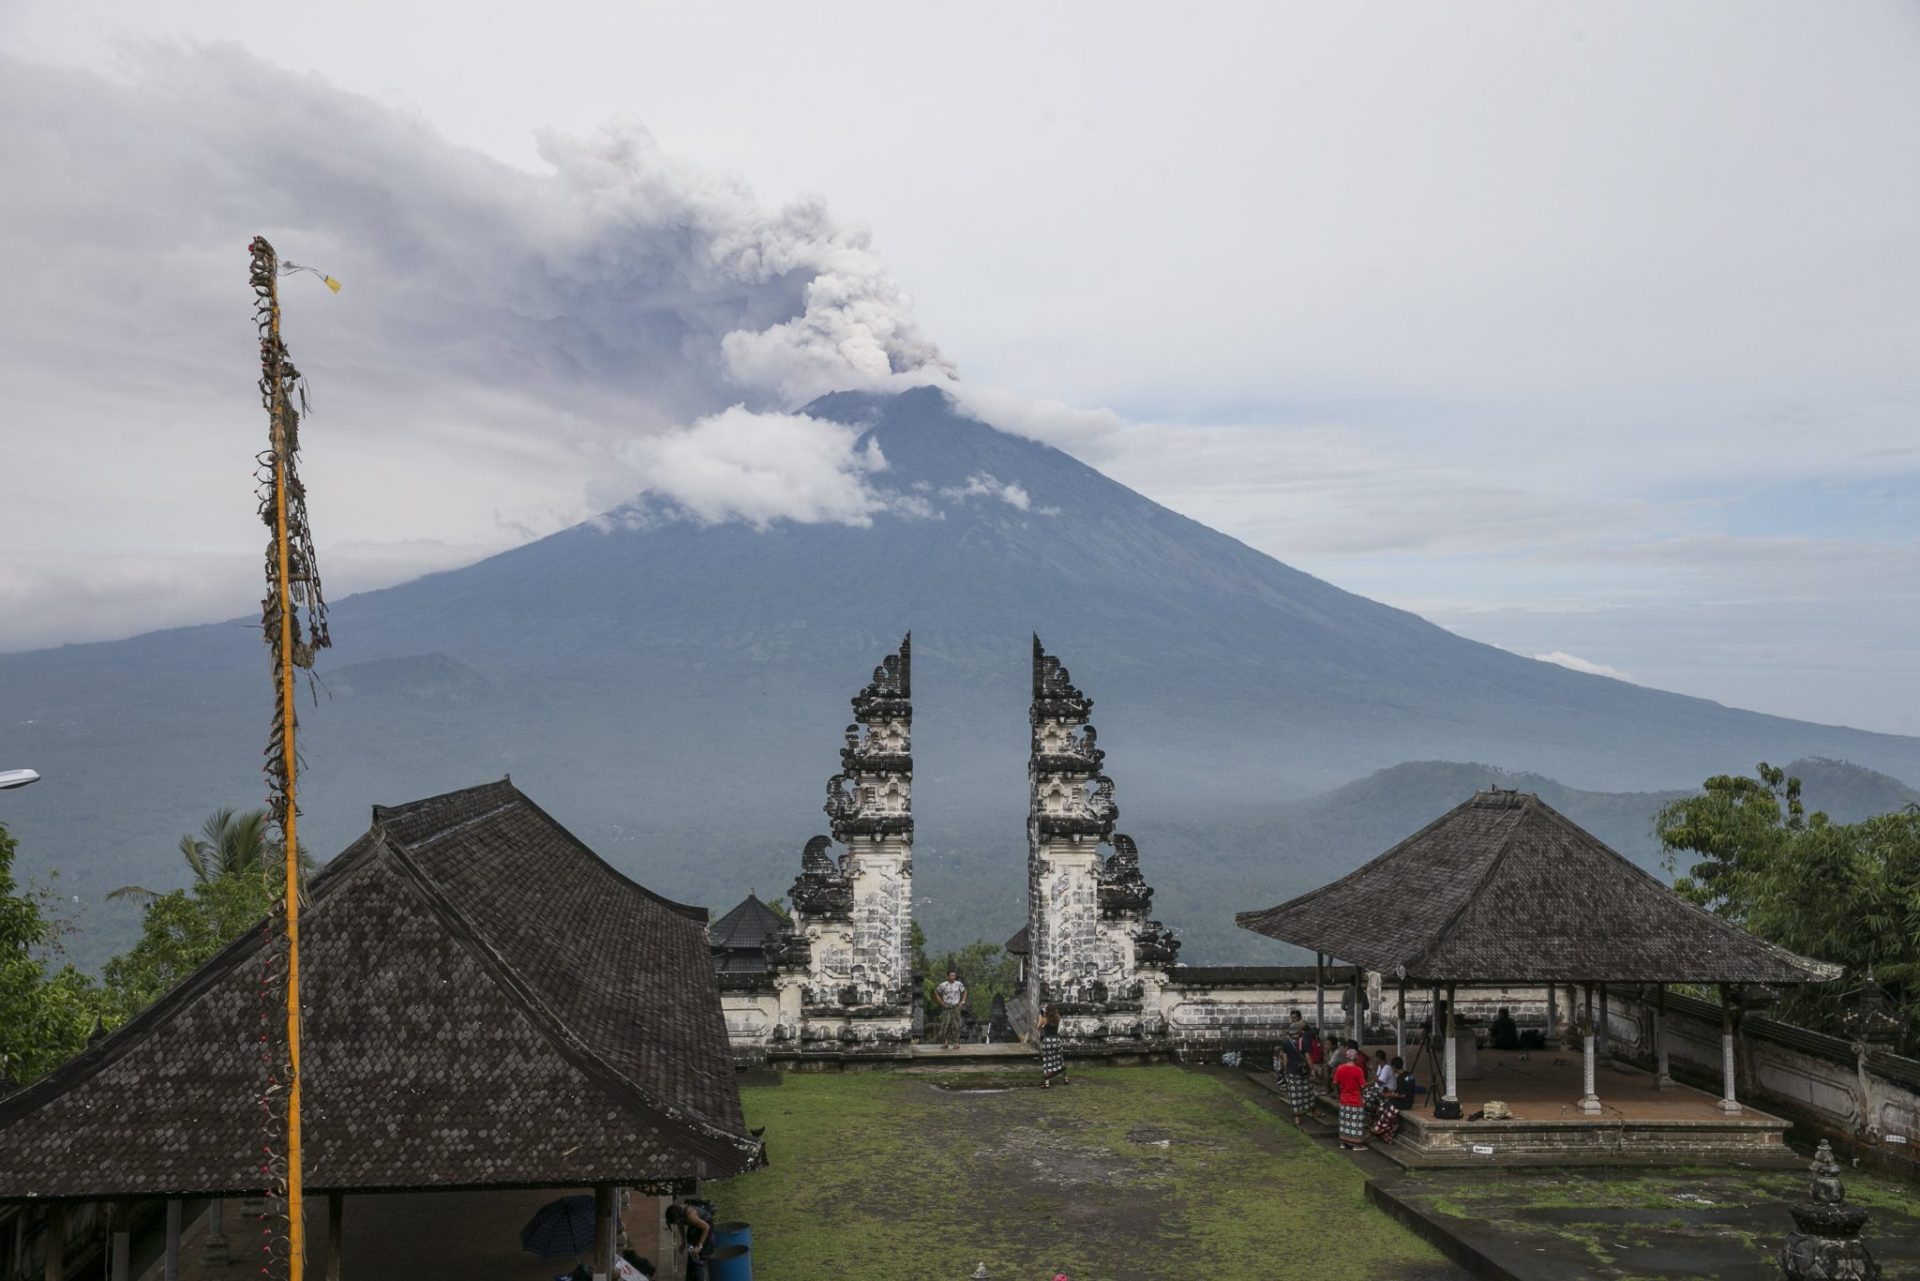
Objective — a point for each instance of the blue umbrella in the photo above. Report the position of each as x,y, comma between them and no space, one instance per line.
560,1228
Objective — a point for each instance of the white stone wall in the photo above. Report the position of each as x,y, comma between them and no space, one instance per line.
1819,1079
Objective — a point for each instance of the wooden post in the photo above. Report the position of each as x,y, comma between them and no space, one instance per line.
1400,1024
1320,993
57,1242
170,1264
215,1250
1553,1017
1589,1101
336,1212
1662,1078
119,1245
1453,1052
605,1238
1728,1102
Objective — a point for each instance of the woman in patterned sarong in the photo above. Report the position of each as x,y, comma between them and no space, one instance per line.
1386,1120
1350,1083
1291,1071
1053,1052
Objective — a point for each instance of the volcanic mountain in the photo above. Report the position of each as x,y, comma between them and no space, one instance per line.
674,691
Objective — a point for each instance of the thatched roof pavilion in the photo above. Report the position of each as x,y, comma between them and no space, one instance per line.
488,1004
1505,889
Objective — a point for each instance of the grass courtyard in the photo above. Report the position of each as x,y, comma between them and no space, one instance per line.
1129,1174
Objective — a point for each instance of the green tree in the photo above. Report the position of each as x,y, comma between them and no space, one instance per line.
45,1014
229,842
180,931
984,968
1842,892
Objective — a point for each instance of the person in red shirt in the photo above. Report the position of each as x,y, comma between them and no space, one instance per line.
1350,1083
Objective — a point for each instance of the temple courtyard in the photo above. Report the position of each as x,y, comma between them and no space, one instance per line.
1141,1173
1128,1174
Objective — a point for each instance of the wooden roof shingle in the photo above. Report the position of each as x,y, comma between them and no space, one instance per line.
1504,888
485,1004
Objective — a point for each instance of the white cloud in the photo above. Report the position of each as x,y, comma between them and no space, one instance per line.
982,485
1580,664
761,468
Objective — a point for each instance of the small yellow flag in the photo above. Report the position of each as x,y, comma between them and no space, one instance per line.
332,283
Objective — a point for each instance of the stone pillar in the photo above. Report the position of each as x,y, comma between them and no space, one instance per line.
1553,1017
1662,1078
170,1260
1400,1024
215,1250
1590,1100
1728,1102
1601,1048
1356,1022
335,1214
847,961
1091,947
1453,1052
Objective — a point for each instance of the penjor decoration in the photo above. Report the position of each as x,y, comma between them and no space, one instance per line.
293,616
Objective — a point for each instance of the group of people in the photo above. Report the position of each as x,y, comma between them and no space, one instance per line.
1369,1101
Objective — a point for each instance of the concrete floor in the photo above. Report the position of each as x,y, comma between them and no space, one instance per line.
1545,1085
412,1236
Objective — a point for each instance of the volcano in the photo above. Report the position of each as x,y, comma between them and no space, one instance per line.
674,691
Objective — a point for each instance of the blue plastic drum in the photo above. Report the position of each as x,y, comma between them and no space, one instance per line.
730,1263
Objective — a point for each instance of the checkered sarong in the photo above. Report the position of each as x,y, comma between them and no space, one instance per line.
1353,1124
1299,1092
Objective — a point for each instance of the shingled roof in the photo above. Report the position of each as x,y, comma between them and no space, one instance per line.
740,937
486,1004
1504,888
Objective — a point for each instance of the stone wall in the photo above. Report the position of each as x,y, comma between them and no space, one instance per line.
1866,1100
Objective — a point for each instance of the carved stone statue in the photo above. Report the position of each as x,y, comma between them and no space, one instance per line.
1826,1244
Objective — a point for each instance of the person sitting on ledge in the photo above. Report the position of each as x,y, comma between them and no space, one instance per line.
1504,1034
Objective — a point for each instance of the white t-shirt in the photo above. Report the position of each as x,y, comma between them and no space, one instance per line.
951,993
624,1271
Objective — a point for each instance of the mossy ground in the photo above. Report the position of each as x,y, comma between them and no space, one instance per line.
1675,1223
1129,1173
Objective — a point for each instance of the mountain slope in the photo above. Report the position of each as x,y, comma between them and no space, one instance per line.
674,692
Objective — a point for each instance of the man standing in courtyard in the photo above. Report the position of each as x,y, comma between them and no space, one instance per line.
953,999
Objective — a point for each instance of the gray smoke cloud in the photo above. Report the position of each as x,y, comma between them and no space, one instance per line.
582,332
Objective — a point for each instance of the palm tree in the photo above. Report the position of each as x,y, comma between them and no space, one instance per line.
228,842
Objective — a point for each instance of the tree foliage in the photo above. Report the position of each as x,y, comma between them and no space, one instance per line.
46,1012
1842,892
984,968
180,931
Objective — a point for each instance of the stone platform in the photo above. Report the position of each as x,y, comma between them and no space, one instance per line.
1638,1124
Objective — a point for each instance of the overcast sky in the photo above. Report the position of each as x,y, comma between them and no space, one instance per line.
1591,331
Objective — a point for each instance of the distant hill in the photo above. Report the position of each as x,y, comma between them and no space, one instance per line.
1256,859
674,692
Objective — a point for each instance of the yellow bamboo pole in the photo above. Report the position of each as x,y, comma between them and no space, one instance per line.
282,448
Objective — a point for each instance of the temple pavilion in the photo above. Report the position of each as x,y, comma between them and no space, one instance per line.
487,1005
1504,892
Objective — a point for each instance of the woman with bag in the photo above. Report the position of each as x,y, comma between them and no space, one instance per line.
1294,1076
